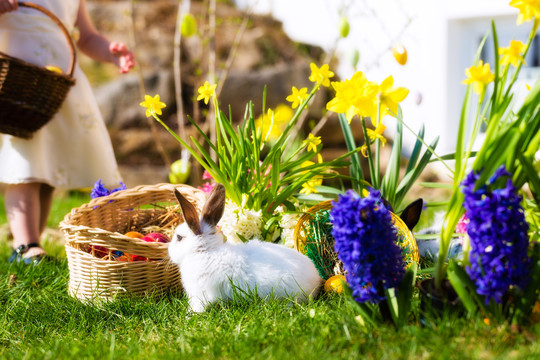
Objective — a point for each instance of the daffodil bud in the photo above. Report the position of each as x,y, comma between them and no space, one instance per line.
344,27
400,54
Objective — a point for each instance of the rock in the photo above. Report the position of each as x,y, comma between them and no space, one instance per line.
119,100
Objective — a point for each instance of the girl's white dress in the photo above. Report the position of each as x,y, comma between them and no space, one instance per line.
74,149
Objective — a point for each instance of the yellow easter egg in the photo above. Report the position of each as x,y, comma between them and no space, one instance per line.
400,54
334,284
53,69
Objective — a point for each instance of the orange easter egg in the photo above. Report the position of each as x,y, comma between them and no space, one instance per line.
134,234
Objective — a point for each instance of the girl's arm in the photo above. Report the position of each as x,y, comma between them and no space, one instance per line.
96,46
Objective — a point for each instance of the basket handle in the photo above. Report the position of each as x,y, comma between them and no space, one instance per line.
61,26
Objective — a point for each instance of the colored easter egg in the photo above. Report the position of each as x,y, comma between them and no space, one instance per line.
134,234
156,237
98,251
334,284
53,68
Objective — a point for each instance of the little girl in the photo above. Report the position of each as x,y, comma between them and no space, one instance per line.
71,151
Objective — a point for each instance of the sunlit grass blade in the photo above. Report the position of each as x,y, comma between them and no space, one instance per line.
356,167
416,150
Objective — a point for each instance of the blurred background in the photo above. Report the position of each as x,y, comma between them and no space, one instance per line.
245,45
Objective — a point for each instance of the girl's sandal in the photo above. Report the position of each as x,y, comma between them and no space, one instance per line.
17,255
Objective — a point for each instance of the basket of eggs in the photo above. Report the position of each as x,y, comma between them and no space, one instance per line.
118,244
30,95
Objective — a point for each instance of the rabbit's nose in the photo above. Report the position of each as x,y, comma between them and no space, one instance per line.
178,238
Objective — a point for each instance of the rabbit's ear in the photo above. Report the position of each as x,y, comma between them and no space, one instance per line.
411,214
214,206
189,213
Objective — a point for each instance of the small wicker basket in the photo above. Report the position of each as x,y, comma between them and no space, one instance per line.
103,221
30,95
320,240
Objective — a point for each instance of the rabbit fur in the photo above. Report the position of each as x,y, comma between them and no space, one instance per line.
214,270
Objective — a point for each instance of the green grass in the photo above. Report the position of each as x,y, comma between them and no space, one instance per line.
39,320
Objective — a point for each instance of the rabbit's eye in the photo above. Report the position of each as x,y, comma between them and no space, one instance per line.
179,238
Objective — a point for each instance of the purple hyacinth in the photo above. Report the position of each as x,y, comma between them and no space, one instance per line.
498,235
365,241
100,189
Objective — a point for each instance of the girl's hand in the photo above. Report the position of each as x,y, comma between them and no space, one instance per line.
7,6
122,57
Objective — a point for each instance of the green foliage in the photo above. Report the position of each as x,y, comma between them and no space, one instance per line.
40,320
512,139
257,175
393,189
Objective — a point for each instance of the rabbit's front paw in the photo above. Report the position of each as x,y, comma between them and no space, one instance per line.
197,305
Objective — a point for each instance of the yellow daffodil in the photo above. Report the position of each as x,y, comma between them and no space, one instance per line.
281,117
479,76
513,53
297,97
528,10
152,105
390,96
309,186
377,133
206,92
356,96
312,142
321,75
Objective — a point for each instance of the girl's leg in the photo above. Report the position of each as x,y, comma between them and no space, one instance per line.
23,208
45,197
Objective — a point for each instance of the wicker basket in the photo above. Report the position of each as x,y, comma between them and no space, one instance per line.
325,242
103,221
30,95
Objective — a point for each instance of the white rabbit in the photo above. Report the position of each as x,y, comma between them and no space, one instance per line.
213,269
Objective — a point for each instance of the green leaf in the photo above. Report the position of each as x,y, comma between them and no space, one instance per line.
532,176
391,178
355,168
416,150
461,283
404,294
410,178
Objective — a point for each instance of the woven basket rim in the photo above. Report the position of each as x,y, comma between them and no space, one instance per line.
68,225
102,200
65,32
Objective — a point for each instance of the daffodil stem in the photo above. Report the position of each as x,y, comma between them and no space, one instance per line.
378,147
374,176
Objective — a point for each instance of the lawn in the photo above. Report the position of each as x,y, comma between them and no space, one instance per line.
41,321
